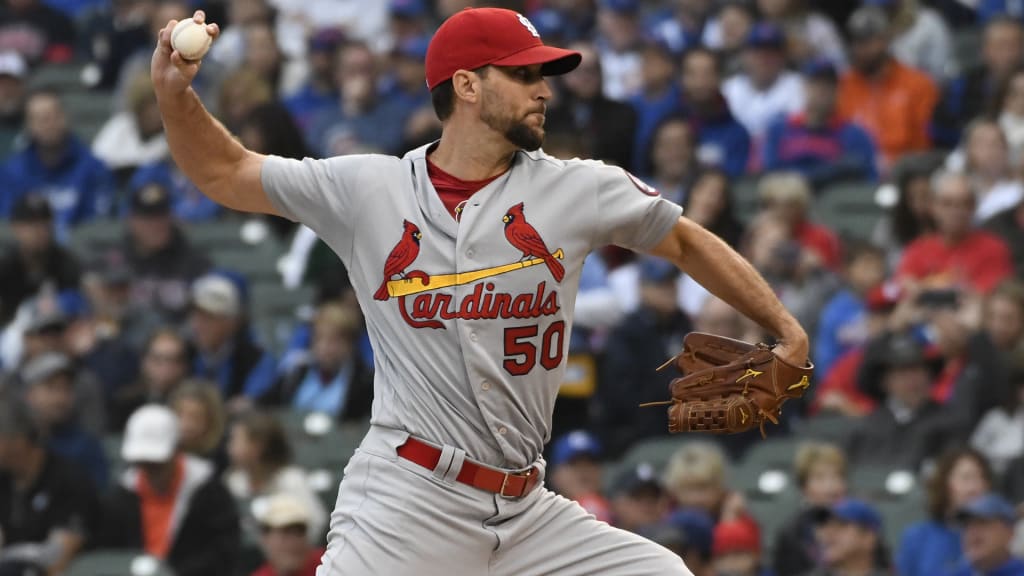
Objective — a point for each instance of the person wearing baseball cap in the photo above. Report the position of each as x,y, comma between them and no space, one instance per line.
170,504
850,533
284,521
455,455
987,524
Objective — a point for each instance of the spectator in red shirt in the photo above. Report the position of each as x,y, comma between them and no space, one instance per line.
957,254
284,521
788,196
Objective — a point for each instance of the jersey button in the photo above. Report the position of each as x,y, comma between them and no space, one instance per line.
470,253
485,386
502,430
472,336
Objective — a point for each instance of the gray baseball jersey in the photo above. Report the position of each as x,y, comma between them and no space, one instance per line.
469,320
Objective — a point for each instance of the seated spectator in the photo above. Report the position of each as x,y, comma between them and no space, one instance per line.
888,99
710,204
984,157
656,100
113,32
133,137
618,43
814,140
333,379
165,365
169,504
606,127
673,158
695,479
242,91
809,34
41,34
260,465
225,350
202,421
638,500
640,340
921,38
188,204
721,140
728,30
908,203
34,258
576,472
908,426
689,533
284,523
1000,434
44,331
161,260
736,549
821,475
788,196
1003,320
764,90
957,254
976,90
1008,109
321,90
263,55
40,538
933,546
50,395
850,535
359,121
685,26
1009,226
13,72
56,164
406,87
843,320
987,10
987,530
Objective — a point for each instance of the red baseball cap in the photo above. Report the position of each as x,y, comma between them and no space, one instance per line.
477,37
741,535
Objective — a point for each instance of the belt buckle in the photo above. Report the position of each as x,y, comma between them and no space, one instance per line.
504,483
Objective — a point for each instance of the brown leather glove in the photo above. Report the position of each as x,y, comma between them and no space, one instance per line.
730,386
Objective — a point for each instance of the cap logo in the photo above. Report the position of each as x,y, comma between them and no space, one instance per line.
528,25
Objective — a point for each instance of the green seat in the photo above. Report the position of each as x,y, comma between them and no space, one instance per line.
745,199
95,236
825,427
771,515
330,450
849,208
272,299
60,77
897,515
254,264
215,235
117,563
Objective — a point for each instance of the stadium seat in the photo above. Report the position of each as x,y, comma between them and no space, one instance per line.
771,515
825,427
744,198
90,238
60,77
216,234
253,263
967,47
898,514
849,208
117,563
271,299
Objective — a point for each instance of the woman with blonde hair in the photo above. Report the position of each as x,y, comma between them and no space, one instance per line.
202,419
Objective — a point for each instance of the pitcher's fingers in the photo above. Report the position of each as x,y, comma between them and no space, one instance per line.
199,17
213,30
164,37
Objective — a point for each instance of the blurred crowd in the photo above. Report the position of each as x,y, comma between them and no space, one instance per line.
866,156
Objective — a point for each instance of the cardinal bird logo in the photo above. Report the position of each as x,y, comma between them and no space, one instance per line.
525,238
402,255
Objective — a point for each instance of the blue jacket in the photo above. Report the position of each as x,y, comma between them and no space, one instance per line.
928,548
649,113
307,105
187,202
989,9
79,188
840,150
841,311
1013,567
247,370
721,140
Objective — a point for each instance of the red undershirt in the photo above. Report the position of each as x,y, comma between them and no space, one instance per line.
452,190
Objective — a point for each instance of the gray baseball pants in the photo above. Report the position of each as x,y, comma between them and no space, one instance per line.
394,517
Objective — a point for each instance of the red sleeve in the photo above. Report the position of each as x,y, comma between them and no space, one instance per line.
842,379
911,263
995,267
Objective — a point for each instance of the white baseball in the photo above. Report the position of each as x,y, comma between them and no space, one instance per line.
190,39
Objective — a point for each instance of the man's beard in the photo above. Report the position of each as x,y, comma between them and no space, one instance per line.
518,133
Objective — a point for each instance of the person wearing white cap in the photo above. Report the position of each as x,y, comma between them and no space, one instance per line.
284,521
170,504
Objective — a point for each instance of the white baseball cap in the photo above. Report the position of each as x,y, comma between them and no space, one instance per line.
216,294
151,435
12,64
280,509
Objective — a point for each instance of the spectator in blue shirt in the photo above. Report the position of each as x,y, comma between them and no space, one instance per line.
721,140
225,351
843,321
988,10
987,530
816,142
50,396
406,90
360,121
320,94
659,96
332,378
57,165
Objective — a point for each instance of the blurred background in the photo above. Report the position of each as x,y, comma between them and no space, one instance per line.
182,385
